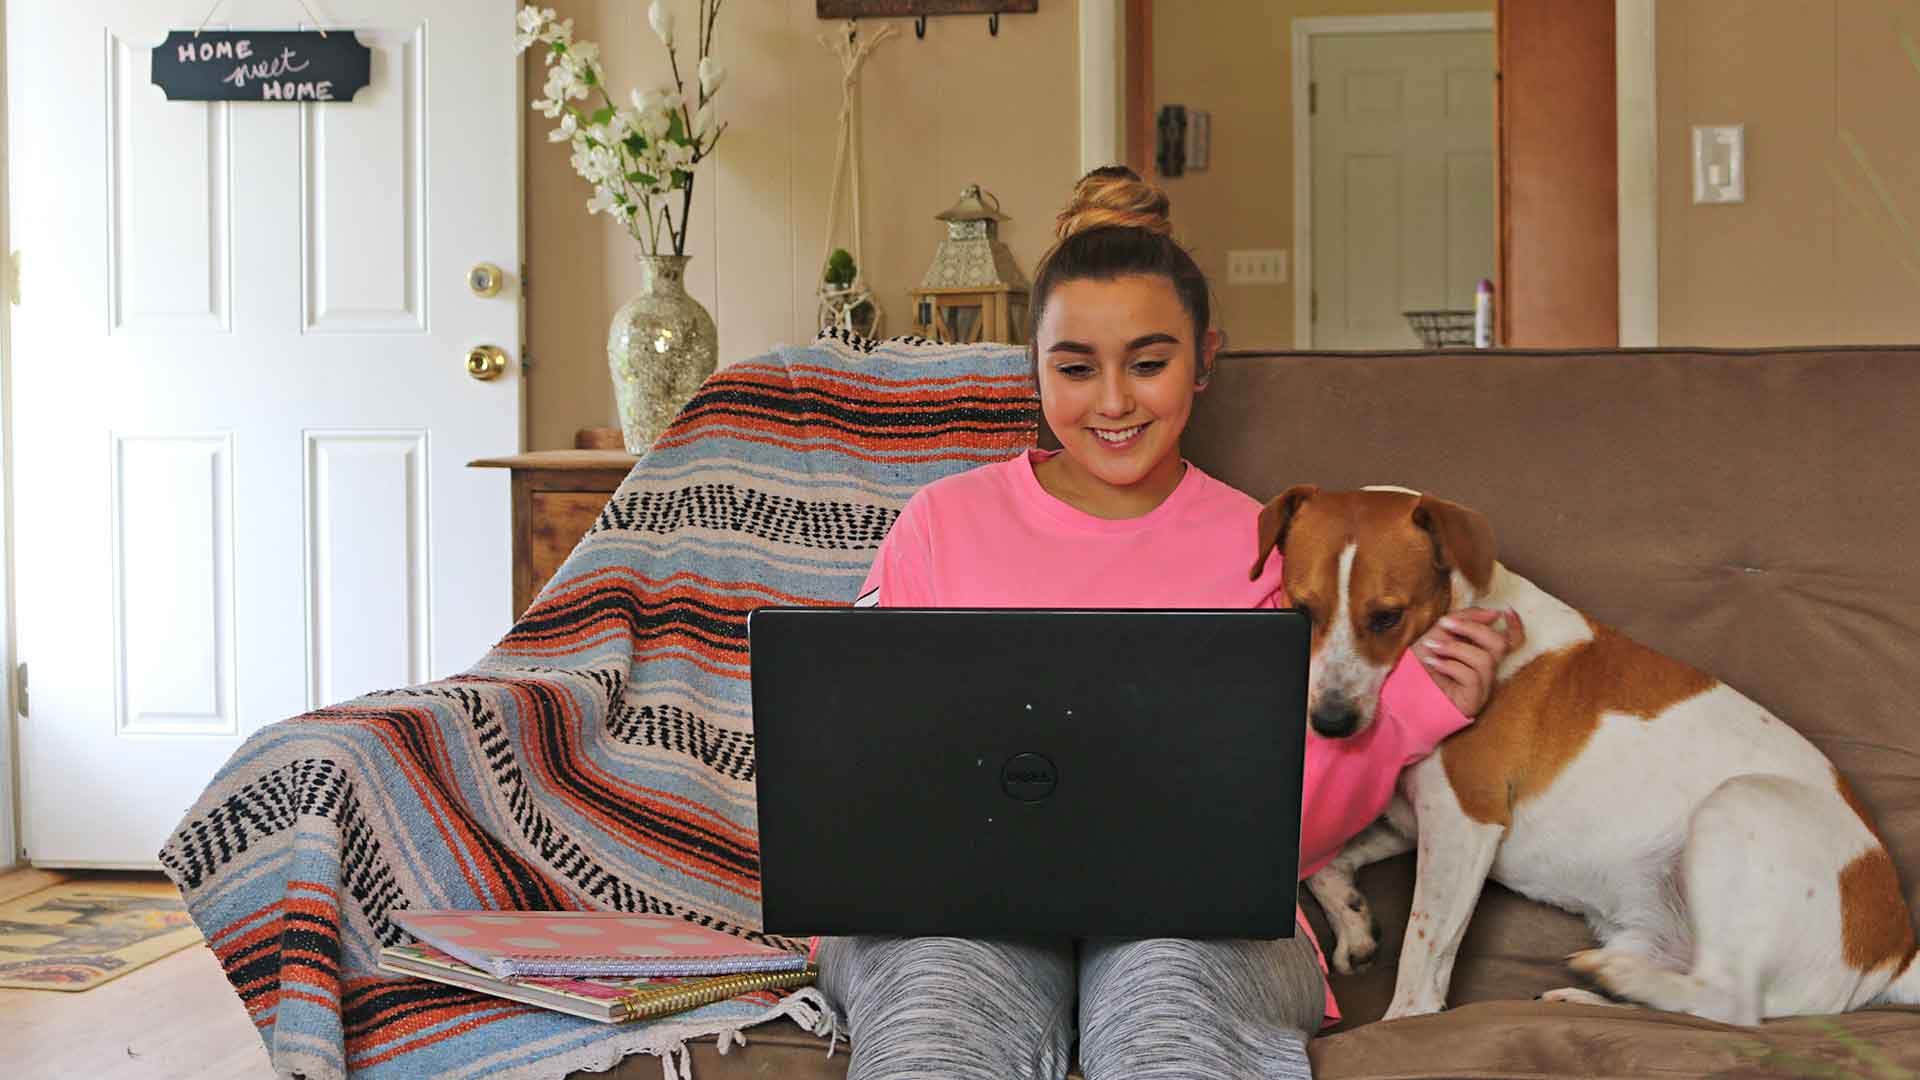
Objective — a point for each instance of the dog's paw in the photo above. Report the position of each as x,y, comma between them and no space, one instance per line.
1355,952
1573,995
1592,964
1612,971
1352,958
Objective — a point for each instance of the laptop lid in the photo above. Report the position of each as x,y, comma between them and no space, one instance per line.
981,773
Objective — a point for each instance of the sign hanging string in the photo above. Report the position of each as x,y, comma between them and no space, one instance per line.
216,7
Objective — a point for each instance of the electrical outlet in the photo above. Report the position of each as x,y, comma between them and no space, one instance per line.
1264,267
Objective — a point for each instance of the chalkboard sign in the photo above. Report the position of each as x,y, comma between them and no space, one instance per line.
261,65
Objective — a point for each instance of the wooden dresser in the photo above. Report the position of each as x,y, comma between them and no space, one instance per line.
557,494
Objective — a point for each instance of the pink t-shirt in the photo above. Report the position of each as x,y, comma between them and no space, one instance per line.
993,537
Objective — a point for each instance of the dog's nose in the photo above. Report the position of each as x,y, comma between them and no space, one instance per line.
1335,717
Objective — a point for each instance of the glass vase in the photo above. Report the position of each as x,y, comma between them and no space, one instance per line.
661,347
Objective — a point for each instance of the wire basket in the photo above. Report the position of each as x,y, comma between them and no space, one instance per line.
1439,329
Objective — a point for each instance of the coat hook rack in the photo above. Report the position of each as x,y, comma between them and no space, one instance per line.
993,24
920,26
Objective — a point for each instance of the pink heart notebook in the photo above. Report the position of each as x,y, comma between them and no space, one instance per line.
583,944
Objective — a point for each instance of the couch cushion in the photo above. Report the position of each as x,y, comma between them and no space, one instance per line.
1503,1040
1513,1039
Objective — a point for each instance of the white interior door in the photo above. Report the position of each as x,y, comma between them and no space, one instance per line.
1403,175
241,403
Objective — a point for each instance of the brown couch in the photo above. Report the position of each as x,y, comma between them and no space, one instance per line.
1754,513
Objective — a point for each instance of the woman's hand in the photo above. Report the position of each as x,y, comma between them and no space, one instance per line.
1464,649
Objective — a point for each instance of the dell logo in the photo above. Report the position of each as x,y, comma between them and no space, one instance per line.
1028,777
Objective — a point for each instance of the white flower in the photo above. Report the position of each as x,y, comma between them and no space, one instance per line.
703,122
537,24
530,22
531,19
661,19
565,132
711,76
566,80
602,201
653,113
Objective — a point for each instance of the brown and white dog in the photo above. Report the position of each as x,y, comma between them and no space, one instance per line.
1719,858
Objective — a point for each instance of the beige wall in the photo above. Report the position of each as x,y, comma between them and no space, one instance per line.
1234,58
955,108
1825,249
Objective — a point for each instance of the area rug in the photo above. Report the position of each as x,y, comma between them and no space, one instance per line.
77,935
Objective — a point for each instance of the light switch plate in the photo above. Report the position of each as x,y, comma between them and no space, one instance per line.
1267,266
1719,163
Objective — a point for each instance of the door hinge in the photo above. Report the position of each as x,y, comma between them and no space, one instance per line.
20,688
12,282
526,286
1313,98
1313,306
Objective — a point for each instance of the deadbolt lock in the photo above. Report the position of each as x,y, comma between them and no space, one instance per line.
485,279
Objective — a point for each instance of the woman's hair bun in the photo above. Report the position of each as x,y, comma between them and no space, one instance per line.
1114,196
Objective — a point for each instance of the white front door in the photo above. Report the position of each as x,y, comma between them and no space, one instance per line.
1402,187
242,410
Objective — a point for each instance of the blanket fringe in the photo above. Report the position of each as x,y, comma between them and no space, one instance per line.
676,1062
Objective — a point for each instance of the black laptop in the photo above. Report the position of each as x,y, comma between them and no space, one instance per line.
1018,773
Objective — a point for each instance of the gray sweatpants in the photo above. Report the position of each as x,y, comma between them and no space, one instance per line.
999,1010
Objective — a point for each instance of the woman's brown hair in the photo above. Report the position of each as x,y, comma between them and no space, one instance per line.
1117,225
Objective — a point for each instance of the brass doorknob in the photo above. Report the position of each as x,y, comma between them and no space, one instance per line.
486,362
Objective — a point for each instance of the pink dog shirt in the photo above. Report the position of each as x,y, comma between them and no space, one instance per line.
993,537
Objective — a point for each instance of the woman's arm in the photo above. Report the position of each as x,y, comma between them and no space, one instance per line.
902,573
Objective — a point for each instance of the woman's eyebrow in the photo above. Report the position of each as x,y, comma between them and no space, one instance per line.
1140,342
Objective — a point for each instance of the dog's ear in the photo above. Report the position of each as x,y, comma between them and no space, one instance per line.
1275,518
1462,539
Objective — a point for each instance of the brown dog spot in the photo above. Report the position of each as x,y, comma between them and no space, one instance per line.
1875,929
1876,925
1541,718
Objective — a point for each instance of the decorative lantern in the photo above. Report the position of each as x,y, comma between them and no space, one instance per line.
974,291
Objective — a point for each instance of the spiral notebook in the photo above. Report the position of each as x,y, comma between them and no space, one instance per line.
575,944
610,1001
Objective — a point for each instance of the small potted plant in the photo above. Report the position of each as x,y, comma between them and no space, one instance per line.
844,303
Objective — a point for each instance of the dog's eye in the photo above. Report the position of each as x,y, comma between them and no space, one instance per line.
1382,621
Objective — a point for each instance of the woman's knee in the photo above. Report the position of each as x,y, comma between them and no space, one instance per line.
957,1007
1145,1003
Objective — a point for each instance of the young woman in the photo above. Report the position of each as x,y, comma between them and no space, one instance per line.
1117,518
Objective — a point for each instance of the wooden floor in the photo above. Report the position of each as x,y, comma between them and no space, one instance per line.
176,1017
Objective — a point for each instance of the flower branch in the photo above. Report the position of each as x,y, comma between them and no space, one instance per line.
635,158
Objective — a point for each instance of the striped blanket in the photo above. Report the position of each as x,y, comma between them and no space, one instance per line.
601,756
